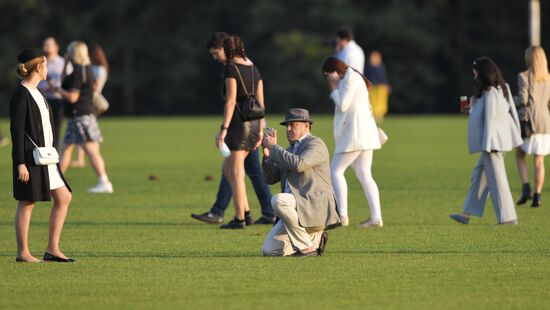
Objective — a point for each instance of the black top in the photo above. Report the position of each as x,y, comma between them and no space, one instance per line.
246,72
81,79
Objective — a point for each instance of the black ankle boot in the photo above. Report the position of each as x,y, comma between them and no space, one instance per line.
536,201
525,194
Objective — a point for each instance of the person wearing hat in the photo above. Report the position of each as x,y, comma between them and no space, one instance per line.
30,124
307,206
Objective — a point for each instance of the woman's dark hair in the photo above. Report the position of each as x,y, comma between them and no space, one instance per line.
344,33
233,47
216,40
333,64
97,57
488,75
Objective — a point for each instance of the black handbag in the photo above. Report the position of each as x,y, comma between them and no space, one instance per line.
250,108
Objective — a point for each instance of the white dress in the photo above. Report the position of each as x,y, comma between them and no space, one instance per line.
53,172
537,144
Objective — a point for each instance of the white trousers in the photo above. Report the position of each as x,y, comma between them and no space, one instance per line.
489,177
287,236
361,161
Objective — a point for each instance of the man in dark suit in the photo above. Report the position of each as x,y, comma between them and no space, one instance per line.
306,206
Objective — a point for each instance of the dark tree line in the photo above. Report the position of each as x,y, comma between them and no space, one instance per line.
159,64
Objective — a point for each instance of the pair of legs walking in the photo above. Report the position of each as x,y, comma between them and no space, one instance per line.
489,177
287,236
92,149
361,161
253,169
524,176
62,198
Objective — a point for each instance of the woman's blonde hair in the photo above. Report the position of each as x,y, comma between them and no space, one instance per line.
23,70
536,62
78,53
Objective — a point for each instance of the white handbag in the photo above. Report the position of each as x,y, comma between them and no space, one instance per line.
45,155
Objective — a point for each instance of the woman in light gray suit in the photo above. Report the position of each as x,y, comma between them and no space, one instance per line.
534,99
493,128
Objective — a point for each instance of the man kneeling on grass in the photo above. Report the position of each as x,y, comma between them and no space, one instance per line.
306,207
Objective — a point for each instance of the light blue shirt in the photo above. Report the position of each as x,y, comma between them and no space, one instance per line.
55,70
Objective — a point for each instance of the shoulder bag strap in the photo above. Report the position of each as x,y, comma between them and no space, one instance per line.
241,78
31,140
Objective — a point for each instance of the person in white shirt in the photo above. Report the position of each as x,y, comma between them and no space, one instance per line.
347,50
355,135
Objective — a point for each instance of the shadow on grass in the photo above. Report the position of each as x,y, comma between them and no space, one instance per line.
91,223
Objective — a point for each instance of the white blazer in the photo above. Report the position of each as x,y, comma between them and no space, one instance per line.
493,124
354,125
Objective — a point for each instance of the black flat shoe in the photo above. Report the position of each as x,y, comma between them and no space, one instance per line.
322,243
248,220
265,220
52,258
20,260
308,254
234,224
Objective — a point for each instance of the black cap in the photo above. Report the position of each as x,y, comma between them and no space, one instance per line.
30,54
297,115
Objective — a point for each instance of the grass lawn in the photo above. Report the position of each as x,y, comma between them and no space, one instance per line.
139,248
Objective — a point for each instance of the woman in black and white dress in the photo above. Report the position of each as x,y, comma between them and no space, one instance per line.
30,117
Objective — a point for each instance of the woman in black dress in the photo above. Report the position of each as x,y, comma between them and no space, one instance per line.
30,123
240,78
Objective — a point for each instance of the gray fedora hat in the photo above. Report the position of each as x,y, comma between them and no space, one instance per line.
297,115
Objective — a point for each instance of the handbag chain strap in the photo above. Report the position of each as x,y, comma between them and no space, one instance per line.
242,81
31,140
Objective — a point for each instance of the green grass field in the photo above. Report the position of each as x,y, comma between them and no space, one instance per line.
138,248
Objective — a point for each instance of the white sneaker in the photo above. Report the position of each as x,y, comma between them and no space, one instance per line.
102,188
345,221
370,223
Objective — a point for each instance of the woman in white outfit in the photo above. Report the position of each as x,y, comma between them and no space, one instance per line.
355,136
534,99
30,126
493,129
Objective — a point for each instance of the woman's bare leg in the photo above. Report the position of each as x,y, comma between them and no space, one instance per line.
62,198
96,160
539,173
66,157
522,166
22,223
234,172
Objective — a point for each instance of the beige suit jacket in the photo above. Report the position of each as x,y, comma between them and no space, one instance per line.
308,175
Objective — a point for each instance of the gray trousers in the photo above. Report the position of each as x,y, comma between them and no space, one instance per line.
489,177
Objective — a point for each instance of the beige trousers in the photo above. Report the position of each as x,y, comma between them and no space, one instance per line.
287,236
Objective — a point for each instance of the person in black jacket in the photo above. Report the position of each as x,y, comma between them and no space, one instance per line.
30,125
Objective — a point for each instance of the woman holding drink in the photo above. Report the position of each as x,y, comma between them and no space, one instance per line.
493,128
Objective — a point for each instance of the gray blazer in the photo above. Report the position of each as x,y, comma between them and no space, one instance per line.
535,97
493,124
308,176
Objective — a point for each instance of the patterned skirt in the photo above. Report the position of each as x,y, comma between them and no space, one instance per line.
81,129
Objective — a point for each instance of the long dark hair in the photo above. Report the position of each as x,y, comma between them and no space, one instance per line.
488,75
333,64
233,47
98,57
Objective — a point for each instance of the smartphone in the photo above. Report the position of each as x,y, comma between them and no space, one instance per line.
270,131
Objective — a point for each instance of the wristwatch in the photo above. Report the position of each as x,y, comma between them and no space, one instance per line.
222,127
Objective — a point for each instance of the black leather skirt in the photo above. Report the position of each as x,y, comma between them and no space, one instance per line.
242,135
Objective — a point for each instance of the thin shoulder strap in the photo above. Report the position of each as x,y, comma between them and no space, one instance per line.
31,139
241,78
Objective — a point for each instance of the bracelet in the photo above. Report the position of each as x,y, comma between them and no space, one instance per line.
222,127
